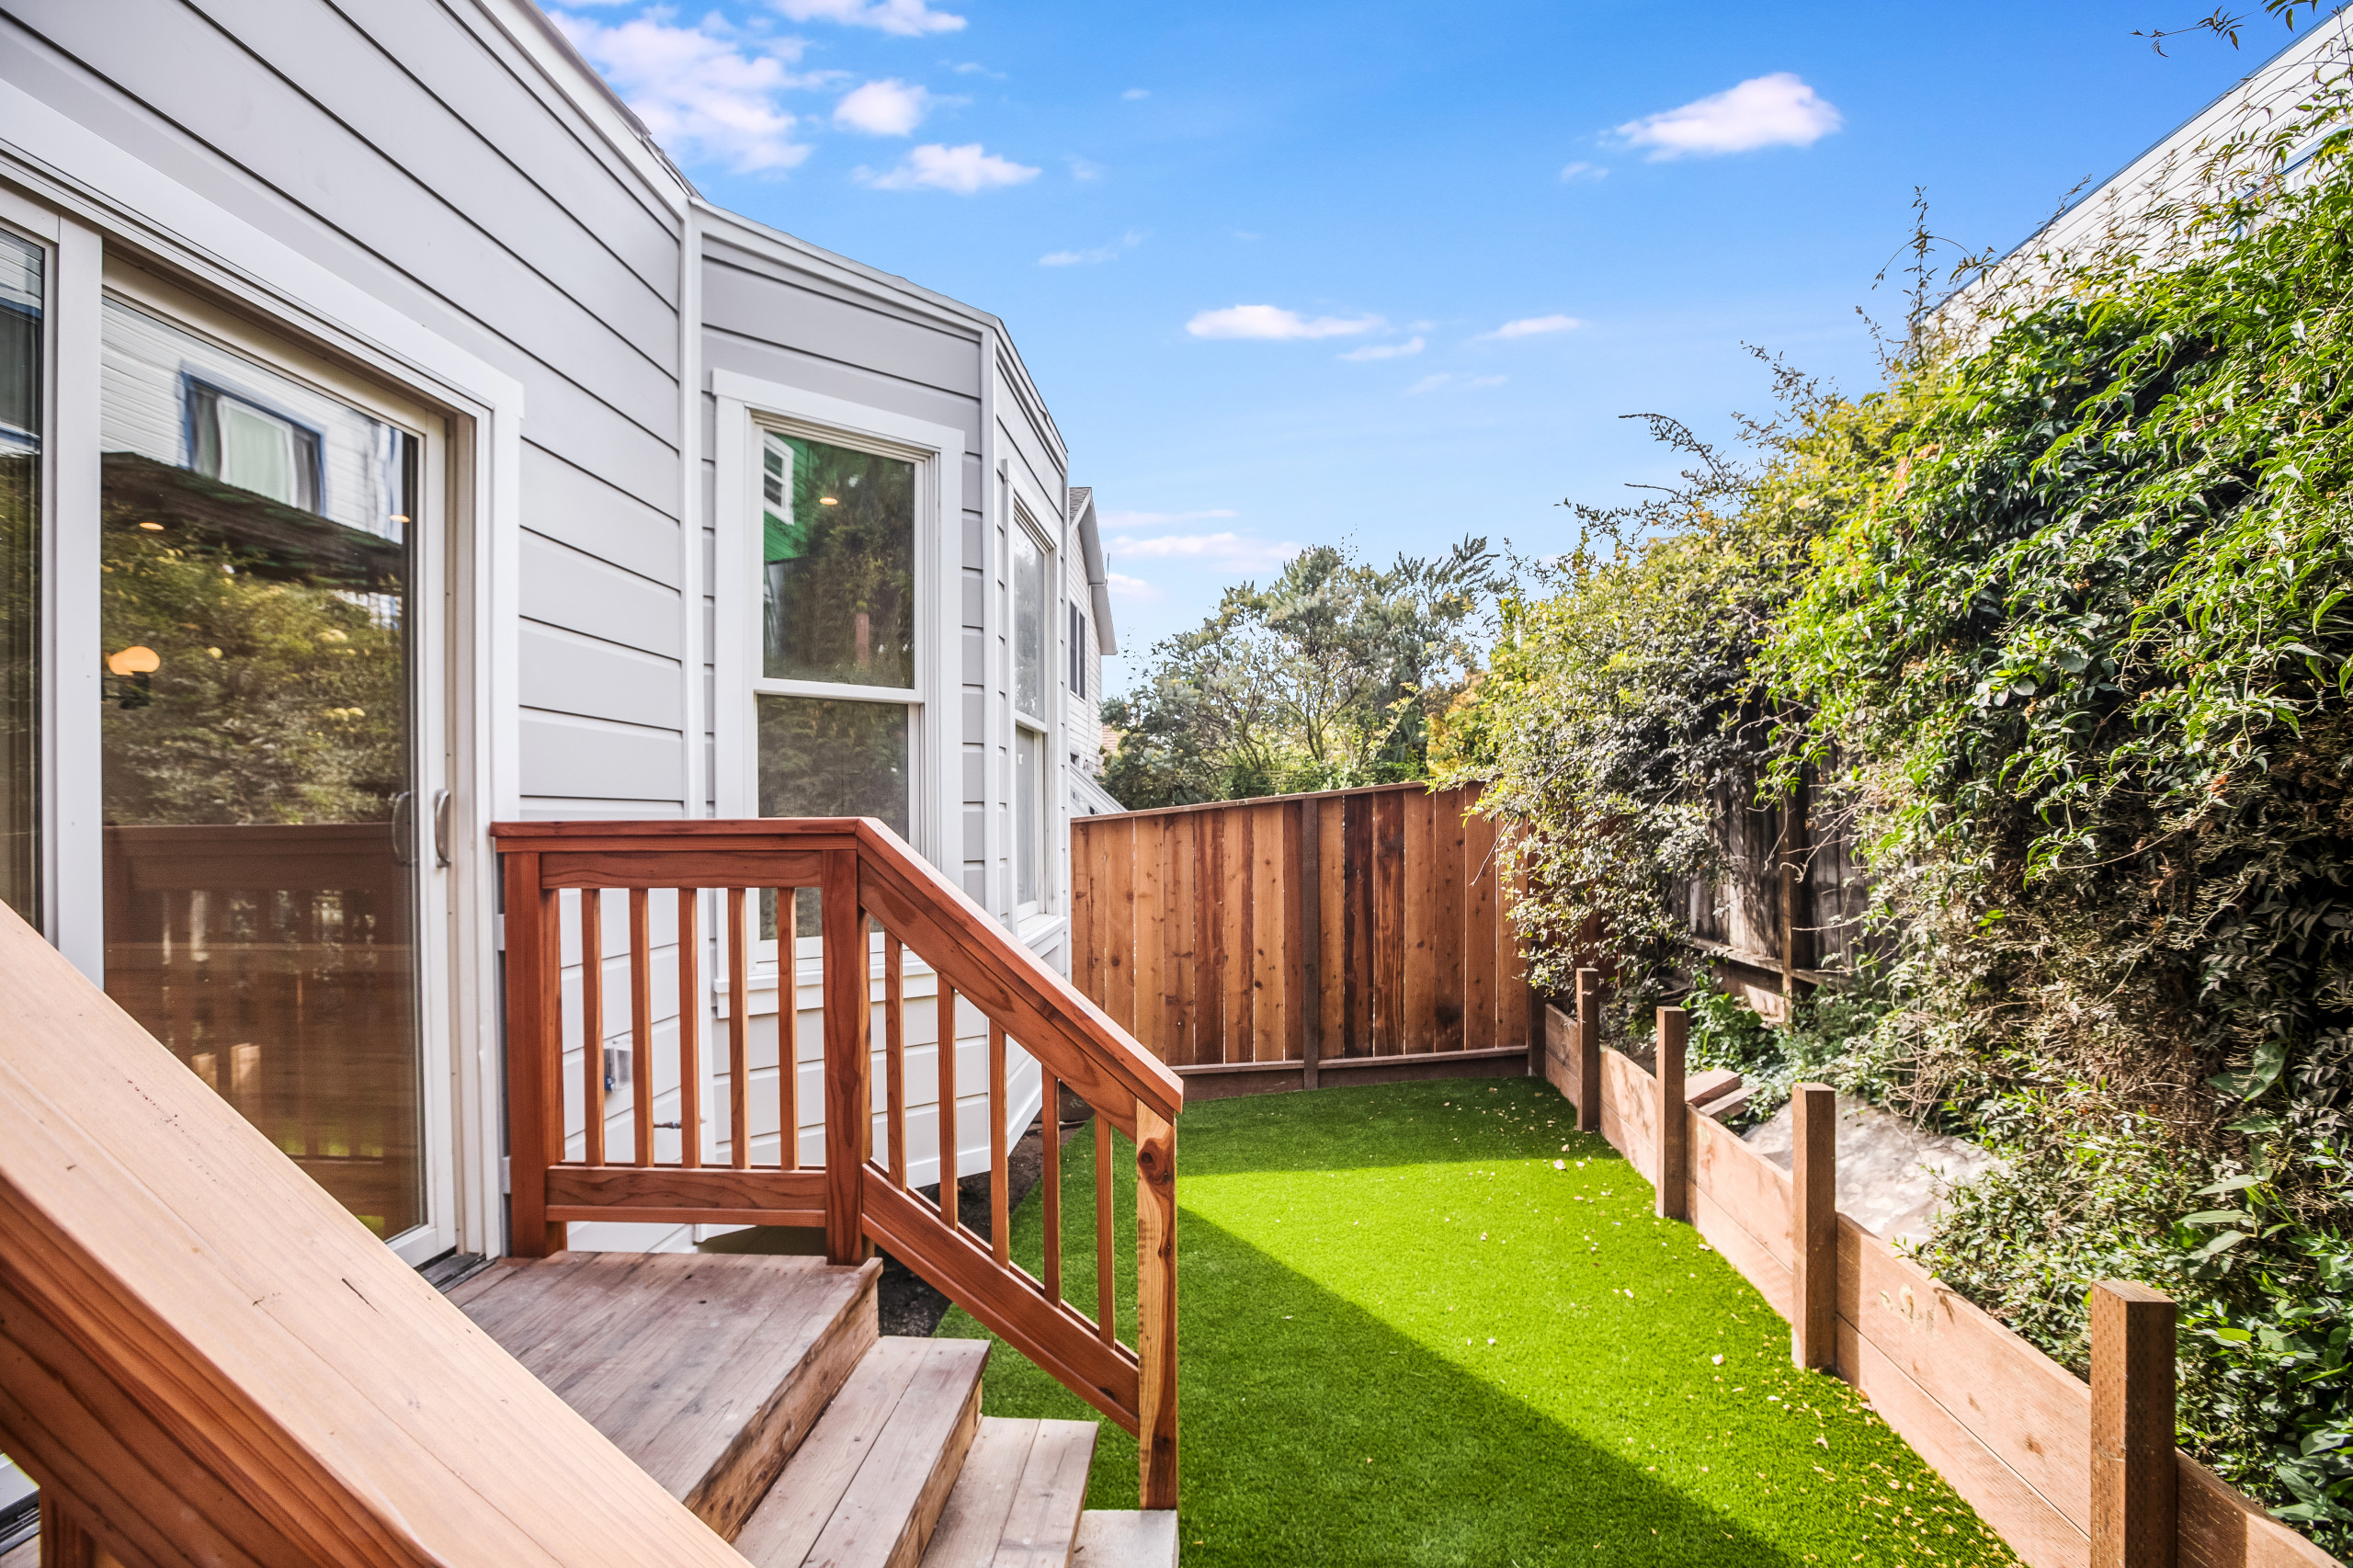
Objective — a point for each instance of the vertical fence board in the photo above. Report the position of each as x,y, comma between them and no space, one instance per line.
1420,1022
1332,915
1356,953
1118,897
1515,1021
1268,934
1150,918
1233,935
1479,936
1208,963
1388,921
1179,1004
1447,833
1299,936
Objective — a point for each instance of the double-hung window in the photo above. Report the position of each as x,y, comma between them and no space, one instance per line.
1030,796
836,690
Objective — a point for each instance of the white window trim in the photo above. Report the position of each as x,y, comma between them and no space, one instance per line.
746,407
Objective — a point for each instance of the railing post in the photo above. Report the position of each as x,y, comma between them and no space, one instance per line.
1673,1116
848,1122
1813,1227
534,1096
2134,1470
1588,1063
1155,1307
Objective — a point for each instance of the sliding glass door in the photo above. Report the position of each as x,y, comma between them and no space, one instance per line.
259,759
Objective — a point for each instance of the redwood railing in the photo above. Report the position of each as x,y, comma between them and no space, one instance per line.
865,877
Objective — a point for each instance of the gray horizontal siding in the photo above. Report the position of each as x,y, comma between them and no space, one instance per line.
568,588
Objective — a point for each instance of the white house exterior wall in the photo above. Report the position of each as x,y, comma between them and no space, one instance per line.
439,195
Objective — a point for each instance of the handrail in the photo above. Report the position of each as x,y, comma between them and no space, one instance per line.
865,877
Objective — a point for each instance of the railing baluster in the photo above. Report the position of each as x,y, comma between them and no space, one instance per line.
998,1216
894,1052
739,1098
787,1027
689,1031
1155,1308
944,1091
592,1021
849,1045
640,1024
1051,1178
1106,1300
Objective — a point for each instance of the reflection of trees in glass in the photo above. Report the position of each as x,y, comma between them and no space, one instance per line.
278,691
821,758
21,294
837,553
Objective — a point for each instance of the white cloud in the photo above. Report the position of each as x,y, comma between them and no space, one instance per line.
1446,381
1778,111
1126,242
908,19
1533,326
1133,94
1128,588
1084,169
1225,551
963,170
1584,171
703,94
883,109
1271,321
1384,350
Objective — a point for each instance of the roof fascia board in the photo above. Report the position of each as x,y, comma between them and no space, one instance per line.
1098,577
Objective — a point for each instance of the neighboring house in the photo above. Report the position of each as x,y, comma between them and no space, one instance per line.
392,443
2129,211
1087,592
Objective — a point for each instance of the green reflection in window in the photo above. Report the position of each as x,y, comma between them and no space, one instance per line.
837,563
826,758
21,280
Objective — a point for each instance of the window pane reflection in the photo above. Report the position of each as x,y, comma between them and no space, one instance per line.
837,552
820,758
255,779
21,294
1028,625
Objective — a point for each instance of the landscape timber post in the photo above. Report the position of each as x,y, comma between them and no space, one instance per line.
1673,1116
1588,1067
1813,1227
2134,1470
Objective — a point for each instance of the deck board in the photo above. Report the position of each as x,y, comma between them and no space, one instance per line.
706,1371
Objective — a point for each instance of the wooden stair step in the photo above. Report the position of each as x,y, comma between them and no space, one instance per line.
868,1485
708,1370
1114,1537
1018,1502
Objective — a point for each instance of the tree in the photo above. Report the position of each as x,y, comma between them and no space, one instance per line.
1325,677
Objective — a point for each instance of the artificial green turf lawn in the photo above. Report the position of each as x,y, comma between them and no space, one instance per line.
1406,1337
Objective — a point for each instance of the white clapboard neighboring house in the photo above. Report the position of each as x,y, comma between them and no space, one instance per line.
391,443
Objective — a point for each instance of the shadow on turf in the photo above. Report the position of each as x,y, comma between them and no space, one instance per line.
1375,1126
1339,1439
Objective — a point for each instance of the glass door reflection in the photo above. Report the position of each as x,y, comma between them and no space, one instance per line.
257,754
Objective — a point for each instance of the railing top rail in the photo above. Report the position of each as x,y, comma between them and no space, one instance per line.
1422,785
1015,971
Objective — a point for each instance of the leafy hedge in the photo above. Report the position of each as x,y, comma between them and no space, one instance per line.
2064,615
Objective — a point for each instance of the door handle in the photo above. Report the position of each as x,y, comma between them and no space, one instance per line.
441,827
404,829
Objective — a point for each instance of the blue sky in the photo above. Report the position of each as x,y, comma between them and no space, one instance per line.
1290,273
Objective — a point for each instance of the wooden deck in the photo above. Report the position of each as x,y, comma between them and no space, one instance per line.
758,1392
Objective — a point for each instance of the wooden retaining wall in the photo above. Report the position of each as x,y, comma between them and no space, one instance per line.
2007,1425
1256,945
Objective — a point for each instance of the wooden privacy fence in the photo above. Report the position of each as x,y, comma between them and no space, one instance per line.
558,877
1259,943
2071,1475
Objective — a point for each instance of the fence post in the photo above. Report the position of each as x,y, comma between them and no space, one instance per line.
1589,1063
1155,1308
2134,1470
1813,1227
1673,1116
849,1120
